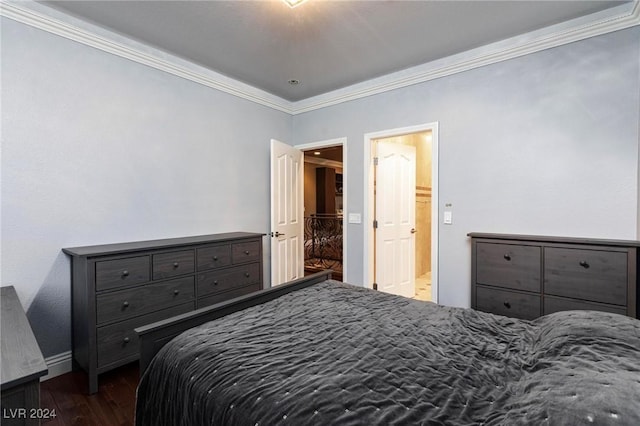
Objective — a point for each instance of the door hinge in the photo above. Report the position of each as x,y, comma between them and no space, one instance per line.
375,286
375,224
375,161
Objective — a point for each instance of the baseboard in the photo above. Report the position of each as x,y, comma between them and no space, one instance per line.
58,365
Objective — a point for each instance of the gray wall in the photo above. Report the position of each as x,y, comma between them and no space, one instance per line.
98,149
542,144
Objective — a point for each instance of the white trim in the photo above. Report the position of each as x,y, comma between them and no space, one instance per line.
368,260
57,23
50,20
614,19
327,144
323,144
435,203
58,365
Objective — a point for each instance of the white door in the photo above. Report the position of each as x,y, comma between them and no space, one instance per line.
287,216
395,214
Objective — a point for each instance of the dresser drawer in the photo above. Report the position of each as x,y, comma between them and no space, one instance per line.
171,264
221,297
246,252
214,256
592,275
122,272
120,305
118,342
225,279
557,304
509,265
507,303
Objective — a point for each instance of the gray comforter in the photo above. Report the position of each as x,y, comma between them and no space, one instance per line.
335,354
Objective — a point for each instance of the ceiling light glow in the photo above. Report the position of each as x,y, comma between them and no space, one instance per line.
294,3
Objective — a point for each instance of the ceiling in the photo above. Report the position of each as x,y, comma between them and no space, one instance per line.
325,45
333,153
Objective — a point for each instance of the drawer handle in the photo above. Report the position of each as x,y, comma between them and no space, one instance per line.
246,252
176,264
125,273
246,274
125,304
215,282
215,258
176,292
507,257
584,264
507,305
126,340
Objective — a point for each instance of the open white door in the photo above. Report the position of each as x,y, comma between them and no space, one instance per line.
395,214
287,216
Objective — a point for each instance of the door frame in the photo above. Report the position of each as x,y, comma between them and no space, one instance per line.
368,255
327,144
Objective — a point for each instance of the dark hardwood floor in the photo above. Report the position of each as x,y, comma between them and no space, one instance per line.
114,403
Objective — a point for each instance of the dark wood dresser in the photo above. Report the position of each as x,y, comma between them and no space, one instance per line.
118,287
526,276
22,365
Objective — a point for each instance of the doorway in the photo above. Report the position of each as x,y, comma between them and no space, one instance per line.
324,205
420,248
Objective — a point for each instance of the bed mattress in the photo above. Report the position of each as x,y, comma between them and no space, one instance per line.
337,354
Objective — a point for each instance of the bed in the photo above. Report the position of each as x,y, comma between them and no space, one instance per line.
321,352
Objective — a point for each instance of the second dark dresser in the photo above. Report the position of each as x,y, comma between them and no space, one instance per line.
527,276
118,287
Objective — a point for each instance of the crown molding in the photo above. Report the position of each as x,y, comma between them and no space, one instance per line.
614,19
58,23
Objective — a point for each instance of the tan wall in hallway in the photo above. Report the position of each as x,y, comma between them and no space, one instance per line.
423,202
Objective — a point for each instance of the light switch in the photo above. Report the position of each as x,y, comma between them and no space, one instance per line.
448,217
355,218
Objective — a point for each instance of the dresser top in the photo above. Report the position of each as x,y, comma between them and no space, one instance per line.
22,359
108,249
551,239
